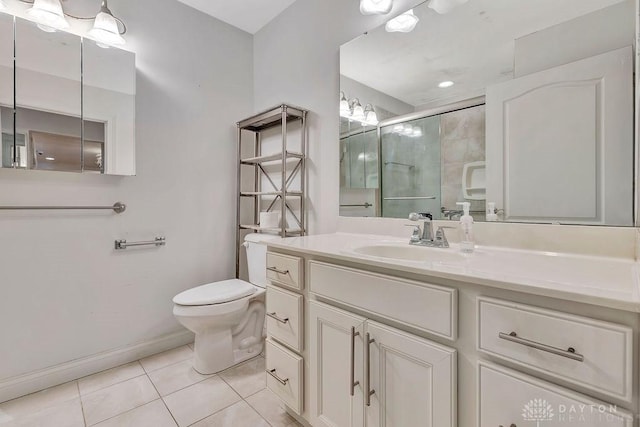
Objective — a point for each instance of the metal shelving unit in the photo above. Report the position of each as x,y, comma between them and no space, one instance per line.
281,195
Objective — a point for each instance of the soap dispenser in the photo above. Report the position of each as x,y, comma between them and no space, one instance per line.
466,229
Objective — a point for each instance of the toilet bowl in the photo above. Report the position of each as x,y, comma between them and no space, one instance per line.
227,317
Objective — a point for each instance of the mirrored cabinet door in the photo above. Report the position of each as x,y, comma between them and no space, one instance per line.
48,98
109,109
6,90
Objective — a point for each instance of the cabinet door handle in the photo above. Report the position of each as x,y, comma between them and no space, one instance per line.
274,316
272,372
276,270
367,369
352,373
569,353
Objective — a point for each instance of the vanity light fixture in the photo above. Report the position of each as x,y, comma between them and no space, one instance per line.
106,31
445,6
404,23
48,15
357,112
345,110
445,84
375,7
370,116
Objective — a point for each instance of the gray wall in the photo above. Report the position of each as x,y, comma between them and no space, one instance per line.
66,293
296,60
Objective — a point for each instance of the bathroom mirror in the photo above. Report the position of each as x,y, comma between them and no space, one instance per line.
109,94
74,102
516,115
48,89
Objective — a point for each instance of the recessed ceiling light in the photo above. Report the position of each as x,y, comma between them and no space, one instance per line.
448,83
51,159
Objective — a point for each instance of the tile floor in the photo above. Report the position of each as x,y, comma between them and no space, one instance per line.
162,390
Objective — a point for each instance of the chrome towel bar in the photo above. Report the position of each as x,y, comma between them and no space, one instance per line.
117,207
123,244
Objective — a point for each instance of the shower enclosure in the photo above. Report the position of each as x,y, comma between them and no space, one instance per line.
410,167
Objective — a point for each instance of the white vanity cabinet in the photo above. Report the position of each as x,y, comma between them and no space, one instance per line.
369,345
364,373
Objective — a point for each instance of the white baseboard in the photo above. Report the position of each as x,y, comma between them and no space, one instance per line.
21,385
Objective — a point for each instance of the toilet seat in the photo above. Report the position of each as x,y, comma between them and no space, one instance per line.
215,293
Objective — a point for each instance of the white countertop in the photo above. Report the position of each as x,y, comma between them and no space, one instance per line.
603,281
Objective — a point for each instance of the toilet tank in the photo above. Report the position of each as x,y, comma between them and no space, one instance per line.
256,246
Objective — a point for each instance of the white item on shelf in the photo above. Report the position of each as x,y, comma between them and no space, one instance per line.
466,229
269,219
491,212
474,183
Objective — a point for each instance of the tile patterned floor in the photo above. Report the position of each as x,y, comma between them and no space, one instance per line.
162,390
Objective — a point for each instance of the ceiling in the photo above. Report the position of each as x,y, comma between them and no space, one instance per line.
248,15
472,46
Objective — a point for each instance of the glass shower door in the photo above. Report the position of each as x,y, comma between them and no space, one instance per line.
410,162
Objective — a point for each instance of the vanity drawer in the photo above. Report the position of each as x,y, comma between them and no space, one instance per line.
285,270
548,341
420,305
284,317
284,375
508,398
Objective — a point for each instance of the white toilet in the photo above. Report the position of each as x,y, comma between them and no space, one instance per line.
228,316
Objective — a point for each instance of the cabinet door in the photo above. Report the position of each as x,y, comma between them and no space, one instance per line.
336,361
413,380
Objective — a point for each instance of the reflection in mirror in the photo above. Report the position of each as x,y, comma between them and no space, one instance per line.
48,99
109,100
6,91
516,115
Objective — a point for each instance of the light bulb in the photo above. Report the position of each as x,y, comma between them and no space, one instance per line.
403,24
446,84
375,7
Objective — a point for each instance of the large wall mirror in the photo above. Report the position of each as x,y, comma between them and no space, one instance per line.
71,106
521,108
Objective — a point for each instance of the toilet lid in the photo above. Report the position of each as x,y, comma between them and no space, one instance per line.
215,293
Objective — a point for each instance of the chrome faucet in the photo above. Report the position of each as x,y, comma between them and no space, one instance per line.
425,236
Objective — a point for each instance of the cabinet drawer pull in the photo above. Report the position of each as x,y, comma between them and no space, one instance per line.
352,381
272,372
569,353
276,270
367,369
274,316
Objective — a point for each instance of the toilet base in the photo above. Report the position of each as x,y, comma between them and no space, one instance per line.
211,352
217,349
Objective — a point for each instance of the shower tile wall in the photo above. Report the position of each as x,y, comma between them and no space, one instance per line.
462,136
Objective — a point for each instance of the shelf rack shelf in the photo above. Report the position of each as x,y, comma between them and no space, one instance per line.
280,194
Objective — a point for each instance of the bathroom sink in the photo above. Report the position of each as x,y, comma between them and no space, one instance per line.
410,253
